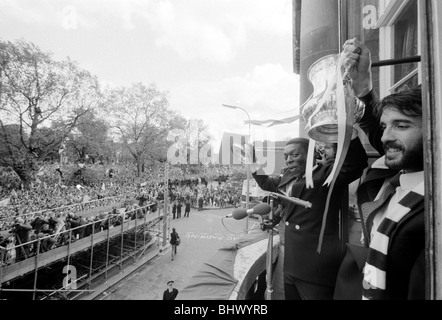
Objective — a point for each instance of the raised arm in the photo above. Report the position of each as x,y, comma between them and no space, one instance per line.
356,63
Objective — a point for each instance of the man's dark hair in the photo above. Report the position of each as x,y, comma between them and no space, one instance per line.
408,101
301,141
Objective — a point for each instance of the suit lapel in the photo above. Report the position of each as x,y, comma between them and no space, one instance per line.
297,188
377,175
285,180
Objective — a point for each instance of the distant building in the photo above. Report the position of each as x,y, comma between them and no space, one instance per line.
268,153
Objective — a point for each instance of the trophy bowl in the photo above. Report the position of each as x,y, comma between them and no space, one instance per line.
320,111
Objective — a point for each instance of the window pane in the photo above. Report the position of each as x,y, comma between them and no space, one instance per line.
406,42
410,83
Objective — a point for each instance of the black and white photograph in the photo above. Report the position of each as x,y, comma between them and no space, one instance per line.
223,154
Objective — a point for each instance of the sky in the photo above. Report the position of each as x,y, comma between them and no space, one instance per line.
204,53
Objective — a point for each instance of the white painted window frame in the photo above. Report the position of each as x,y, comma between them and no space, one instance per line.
390,11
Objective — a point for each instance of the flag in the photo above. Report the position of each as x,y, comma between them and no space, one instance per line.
273,122
103,187
79,187
4,202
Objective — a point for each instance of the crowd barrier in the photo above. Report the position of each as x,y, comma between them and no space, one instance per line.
76,207
66,244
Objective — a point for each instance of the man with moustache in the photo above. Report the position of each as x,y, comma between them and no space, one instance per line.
309,274
391,264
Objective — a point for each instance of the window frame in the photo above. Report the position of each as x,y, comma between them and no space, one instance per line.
390,13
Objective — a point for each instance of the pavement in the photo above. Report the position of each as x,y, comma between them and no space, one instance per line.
202,234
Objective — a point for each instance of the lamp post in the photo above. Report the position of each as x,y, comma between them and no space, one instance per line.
247,167
166,222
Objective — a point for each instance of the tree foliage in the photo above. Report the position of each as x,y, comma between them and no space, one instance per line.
141,120
48,105
90,140
36,91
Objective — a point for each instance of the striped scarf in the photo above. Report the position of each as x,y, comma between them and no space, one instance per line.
375,271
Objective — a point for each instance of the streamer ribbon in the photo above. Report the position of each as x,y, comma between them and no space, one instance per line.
345,101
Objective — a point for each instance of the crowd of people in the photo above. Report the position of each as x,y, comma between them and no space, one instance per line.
48,191
50,207
53,229
200,196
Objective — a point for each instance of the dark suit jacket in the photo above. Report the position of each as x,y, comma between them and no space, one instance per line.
170,295
303,226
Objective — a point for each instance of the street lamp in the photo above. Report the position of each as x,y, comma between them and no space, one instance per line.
247,167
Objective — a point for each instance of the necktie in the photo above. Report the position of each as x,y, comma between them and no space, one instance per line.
369,207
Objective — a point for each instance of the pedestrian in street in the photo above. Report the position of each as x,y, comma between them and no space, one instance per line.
178,209
174,209
200,203
170,293
174,241
187,209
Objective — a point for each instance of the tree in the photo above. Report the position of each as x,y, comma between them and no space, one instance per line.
198,137
90,140
35,92
141,119
10,143
189,140
44,147
238,175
